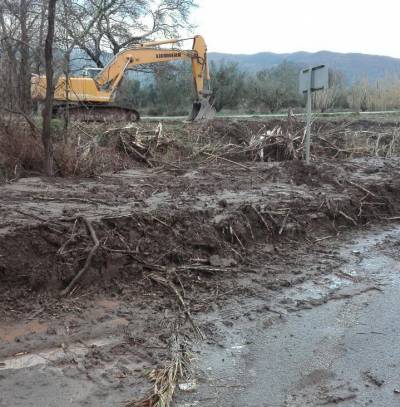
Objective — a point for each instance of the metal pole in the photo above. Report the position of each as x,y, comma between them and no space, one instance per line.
308,128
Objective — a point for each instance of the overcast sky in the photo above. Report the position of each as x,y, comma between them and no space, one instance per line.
250,26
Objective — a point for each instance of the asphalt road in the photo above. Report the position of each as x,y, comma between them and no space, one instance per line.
283,115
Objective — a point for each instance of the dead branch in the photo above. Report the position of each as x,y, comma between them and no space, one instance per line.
88,262
35,131
158,267
284,223
260,217
61,250
227,160
348,217
168,283
335,147
44,222
161,222
166,379
141,156
362,188
73,199
204,269
271,217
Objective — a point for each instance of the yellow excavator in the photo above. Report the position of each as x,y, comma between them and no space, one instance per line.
91,96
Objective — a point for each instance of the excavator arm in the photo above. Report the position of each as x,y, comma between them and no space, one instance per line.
149,53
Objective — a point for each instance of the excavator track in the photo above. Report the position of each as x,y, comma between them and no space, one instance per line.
96,113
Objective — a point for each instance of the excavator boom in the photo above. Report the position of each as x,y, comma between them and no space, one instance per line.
99,92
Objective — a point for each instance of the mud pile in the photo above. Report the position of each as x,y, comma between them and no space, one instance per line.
196,223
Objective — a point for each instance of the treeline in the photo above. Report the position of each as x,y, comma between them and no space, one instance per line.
94,27
40,37
170,91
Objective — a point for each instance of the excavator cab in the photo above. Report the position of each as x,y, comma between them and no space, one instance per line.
89,72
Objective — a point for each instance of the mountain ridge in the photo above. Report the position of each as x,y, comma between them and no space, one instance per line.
355,66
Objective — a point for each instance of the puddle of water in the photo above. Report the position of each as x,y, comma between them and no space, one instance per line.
109,305
21,361
119,322
370,262
54,354
360,266
237,347
10,332
316,290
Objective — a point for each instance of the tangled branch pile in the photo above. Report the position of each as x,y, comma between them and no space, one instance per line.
91,149
85,150
20,150
281,140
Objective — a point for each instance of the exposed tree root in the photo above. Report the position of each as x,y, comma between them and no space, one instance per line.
88,262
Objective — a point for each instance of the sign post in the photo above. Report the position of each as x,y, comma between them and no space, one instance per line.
311,80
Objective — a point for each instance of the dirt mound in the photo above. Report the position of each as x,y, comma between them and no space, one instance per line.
182,228
212,190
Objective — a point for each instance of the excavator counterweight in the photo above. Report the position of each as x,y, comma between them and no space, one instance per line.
92,97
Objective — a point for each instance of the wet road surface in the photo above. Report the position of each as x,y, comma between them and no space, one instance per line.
344,352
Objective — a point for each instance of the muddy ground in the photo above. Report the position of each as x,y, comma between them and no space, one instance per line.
207,250
332,341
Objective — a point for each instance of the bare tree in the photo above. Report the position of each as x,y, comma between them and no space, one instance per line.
360,96
25,102
40,36
125,22
19,23
48,108
8,31
329,98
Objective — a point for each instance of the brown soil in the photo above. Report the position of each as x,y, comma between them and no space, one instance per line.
148,220
203,228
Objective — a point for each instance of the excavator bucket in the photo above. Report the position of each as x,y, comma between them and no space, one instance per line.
202,110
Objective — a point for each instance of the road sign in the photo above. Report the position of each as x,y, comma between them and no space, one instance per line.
311,80
319,79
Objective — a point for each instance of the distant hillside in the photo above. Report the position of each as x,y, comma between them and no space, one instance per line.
354,66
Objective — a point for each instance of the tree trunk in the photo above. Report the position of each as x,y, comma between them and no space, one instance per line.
48,107
24,91
67,63
9,97
38,53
